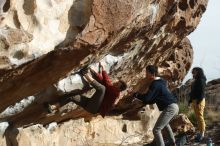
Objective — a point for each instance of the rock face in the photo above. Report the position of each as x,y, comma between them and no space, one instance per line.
181,124
212,93
44,42
99,131
78,132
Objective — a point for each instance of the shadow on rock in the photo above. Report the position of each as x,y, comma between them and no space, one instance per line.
10,135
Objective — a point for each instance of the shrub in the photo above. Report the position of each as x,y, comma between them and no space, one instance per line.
183,108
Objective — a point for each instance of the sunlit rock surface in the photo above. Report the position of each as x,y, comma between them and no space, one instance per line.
181,124
44,42
99,131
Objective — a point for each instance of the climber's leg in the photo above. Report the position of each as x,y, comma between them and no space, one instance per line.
94,103
91,104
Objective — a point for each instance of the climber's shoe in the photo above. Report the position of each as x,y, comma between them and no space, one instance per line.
83,70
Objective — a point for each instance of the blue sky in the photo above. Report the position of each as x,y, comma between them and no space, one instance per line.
206,42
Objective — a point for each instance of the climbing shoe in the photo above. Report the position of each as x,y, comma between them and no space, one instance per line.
83,70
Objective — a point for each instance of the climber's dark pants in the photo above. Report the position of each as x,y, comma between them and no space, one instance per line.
92,104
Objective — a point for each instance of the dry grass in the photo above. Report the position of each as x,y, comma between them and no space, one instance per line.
188,111
212,116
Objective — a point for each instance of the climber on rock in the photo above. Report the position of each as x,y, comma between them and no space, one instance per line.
104,97
167,103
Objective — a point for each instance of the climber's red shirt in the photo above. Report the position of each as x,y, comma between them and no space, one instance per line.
111,92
